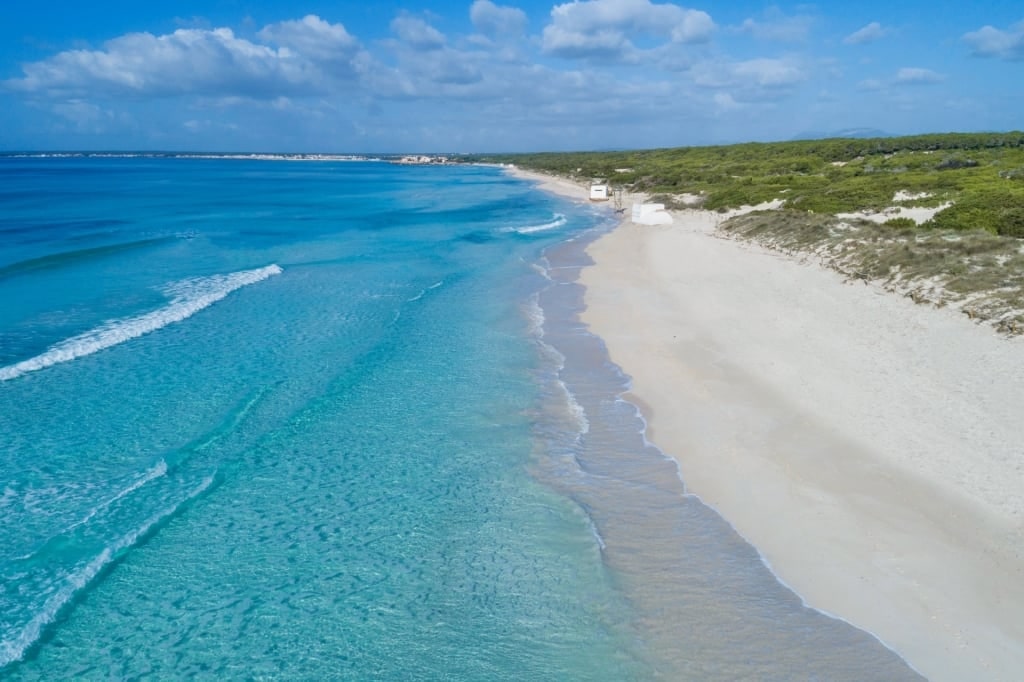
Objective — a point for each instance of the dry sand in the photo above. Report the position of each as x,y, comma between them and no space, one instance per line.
871,449
919,214
553,183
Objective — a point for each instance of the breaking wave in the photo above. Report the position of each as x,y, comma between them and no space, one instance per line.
187,298
14,649
557,221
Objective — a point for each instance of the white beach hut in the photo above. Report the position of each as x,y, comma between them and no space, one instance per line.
651,214
599,191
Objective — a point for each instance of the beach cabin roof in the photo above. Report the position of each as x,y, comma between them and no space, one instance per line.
650,214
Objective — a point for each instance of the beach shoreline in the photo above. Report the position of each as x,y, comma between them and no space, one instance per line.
865,445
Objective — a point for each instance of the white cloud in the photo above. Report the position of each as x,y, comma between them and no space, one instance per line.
905,76
312,37
916,76
602,28
770,73
573,44
493,19
188,61
753,80
417,33
777,26
446,67
868,34
989,41
307,80
80,112
725,102
85,117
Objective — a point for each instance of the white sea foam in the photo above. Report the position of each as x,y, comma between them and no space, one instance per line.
557,221
596,533
576,410
541,270
551,354
187,298
8,496
155,472
13,649
424,292
535,316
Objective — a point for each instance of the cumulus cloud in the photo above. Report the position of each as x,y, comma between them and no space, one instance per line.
775,25
447,75
758,73
602,28
309,77
989,41
916,76
196,61
725,102
417,33
81,113
770,73
868,34
494,19
312,37
444,67
302,57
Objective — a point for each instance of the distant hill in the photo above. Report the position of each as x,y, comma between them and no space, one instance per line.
846,133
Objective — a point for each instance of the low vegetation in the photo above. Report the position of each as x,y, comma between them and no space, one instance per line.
980,273
982,174
968,254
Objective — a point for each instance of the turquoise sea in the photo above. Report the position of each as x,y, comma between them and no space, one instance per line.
270,419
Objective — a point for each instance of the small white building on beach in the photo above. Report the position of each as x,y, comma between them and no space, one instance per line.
650,214
599,191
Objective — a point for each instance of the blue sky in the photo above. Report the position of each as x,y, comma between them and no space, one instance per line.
482,75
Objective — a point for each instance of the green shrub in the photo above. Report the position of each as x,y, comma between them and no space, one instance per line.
953,163
966,217
900,223
1011,223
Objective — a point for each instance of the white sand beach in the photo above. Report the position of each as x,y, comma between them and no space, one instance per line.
870,448
552,183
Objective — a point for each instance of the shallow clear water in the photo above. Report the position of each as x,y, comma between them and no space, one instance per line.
304,420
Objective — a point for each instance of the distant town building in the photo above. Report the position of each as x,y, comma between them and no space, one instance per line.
421,160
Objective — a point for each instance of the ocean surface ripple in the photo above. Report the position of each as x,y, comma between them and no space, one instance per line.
335,418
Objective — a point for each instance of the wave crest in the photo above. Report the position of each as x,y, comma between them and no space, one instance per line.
73,583
556,221
187,298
